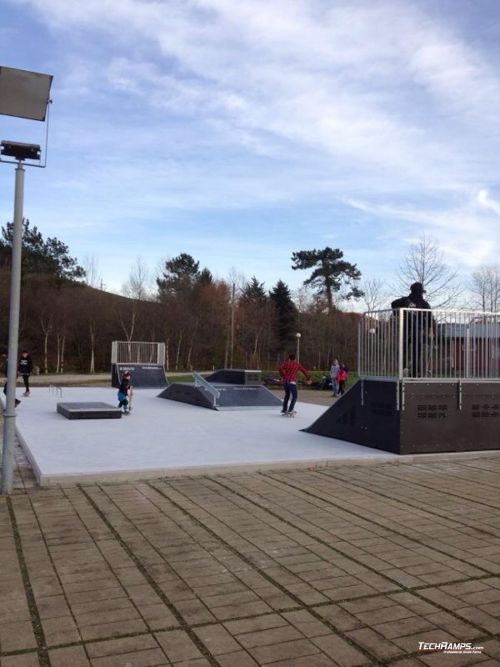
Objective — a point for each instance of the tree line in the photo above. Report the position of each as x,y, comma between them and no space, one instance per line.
69,325
206,322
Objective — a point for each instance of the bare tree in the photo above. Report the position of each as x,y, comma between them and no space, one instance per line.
485,288
236,278
303,299
93,275
137,290
425,263
375,295
138,283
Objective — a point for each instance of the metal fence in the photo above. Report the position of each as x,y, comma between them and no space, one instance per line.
424,344
136,352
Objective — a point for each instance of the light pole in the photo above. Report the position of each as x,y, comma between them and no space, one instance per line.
23,95
298,336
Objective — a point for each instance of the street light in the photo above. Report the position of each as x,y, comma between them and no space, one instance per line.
23,94
298,336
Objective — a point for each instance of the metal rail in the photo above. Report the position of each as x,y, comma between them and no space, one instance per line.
205,386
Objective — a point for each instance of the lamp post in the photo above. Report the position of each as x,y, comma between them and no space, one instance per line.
298,336
23,95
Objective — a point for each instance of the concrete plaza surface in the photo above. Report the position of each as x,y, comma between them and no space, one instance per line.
353,565
163,437
348,565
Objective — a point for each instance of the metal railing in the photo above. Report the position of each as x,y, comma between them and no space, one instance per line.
429,344
136,352
212,393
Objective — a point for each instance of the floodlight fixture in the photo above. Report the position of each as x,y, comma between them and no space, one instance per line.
298,336
20,151
23,94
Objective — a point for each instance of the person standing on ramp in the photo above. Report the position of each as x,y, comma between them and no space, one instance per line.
418,330
288,372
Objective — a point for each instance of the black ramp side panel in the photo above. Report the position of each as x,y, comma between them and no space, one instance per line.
235,376
144,376
88,411
370,418
187,393
227,376
256,396
341,420
380,415
428,421
450,417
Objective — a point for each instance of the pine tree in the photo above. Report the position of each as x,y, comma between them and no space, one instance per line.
253,293
49,257
330,273
285,313
180,275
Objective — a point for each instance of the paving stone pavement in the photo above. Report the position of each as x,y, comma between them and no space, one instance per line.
349,566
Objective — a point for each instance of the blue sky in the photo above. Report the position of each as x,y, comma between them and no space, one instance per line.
241,130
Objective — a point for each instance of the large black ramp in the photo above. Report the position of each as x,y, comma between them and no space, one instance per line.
144,376
88,411
235,376
413,417
188,393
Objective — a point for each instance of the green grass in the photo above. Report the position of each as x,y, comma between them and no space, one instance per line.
188,377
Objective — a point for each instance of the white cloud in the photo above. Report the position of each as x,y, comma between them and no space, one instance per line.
332,78
464,233
485,200
203,104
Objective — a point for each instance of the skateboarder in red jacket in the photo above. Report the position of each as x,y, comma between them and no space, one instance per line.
288,372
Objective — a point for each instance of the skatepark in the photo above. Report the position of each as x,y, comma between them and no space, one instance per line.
162,437
228,421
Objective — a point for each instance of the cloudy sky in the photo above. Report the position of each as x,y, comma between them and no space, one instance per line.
241,130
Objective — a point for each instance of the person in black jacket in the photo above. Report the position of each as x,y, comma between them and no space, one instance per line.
25,369
5,371
418,329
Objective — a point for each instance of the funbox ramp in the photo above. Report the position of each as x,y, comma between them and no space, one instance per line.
221,396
